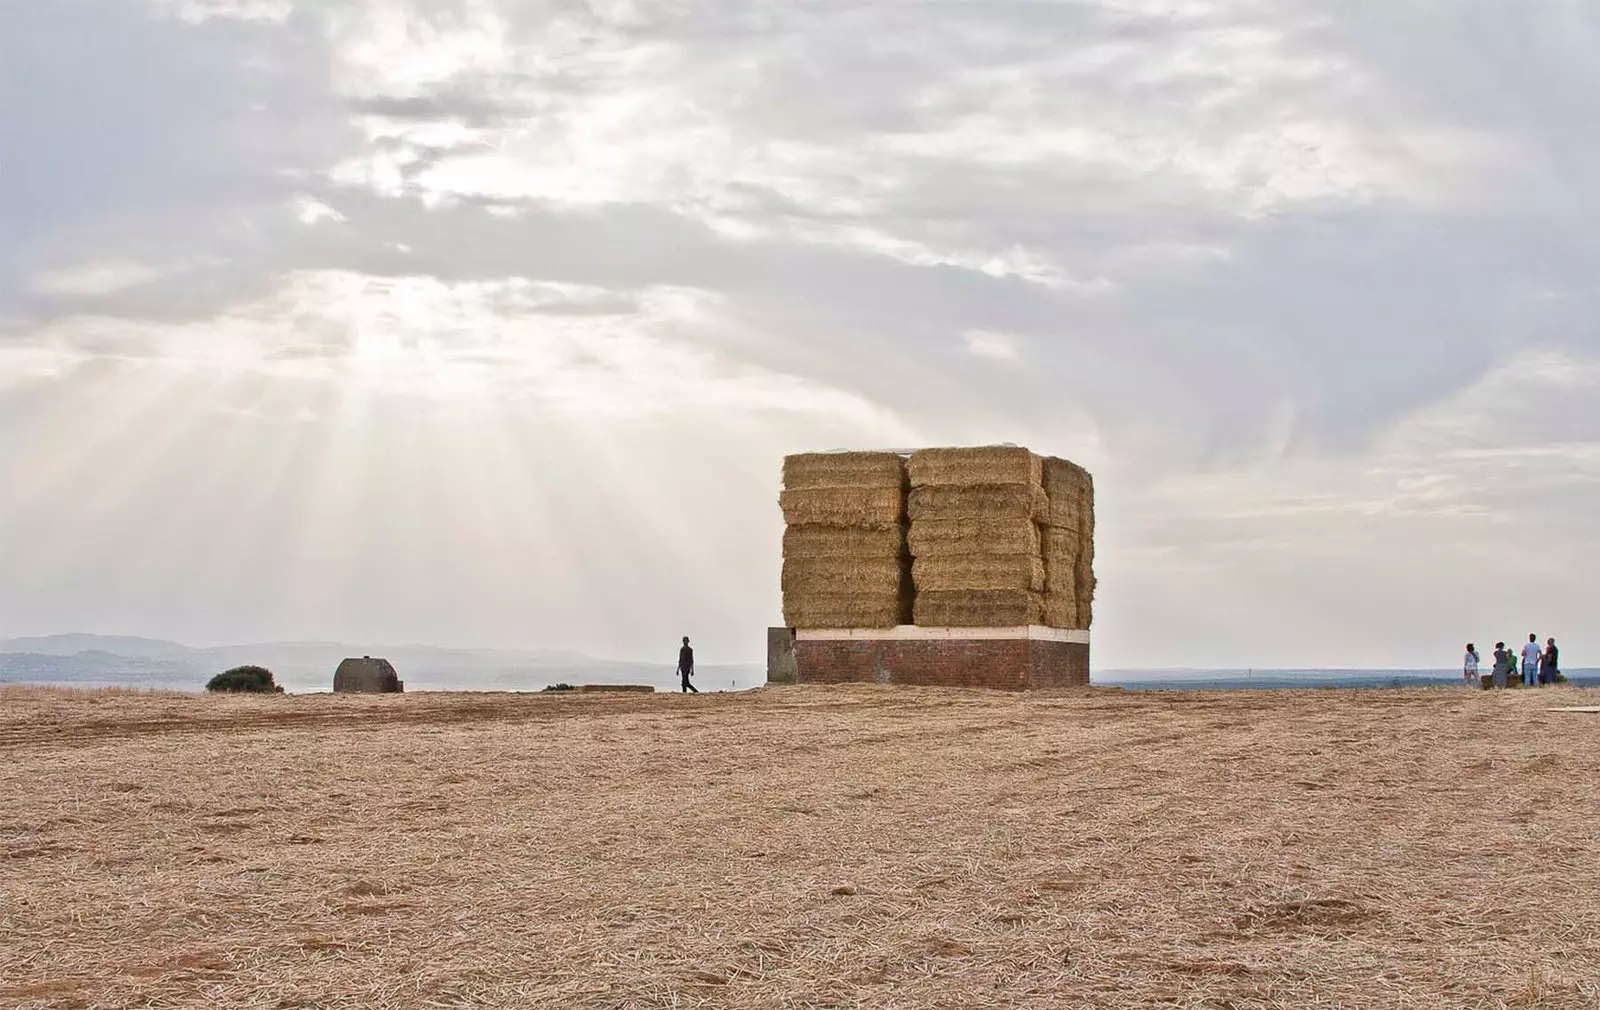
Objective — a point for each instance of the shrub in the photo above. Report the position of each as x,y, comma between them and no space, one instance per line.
560,687
252,679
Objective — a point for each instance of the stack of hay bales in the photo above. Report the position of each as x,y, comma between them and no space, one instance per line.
975,538
844,547
1067,535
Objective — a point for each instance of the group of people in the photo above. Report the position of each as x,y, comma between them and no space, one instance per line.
1540,666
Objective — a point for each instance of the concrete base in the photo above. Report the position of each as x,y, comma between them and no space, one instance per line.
1007,659
780,656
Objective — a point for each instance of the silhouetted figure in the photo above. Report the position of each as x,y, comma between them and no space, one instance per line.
686,667
1550,663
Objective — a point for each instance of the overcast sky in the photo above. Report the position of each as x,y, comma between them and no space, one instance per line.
488,322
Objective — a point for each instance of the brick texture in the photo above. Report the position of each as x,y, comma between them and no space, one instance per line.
1001,664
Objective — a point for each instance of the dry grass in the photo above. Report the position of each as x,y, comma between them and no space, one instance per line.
804,847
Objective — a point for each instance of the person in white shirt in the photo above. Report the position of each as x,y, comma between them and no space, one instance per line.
1469,666
1530,661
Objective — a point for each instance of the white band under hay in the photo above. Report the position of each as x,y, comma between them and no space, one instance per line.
986,502
1014,571
994,464
844,542
844,469
866,508
961,537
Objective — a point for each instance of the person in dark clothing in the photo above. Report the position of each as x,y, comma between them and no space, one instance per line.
1550,663
686,666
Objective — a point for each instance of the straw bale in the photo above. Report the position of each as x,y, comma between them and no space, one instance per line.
960,537
846,610
844,469
1065,478
1061,575
990,464
1070,491
978,608
820,576
866,508
843,542
988,502
1061,610
1063,545
976,571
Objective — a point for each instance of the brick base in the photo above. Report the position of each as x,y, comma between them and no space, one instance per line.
1006,664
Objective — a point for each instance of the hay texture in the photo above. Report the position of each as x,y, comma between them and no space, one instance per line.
974,539
844,542
978,608
844,549
971,571
847,610
982,502
821,576
860,508
984,465
844,469
955,537
1068,544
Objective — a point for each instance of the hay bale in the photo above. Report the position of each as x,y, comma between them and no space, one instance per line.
958,537
976,571
978,608
1070,491
986,502
990,464
1086,583
821,576
1061,575
1062,545
844,542
863,508
844,469
1061,610
847,610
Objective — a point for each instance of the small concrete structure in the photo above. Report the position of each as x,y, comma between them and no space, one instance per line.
780,656
367,676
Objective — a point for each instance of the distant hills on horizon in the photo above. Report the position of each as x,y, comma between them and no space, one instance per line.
90,659
129,660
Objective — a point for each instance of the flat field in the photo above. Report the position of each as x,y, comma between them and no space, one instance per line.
802,847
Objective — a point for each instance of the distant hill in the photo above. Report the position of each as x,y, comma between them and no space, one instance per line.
308,666
71,645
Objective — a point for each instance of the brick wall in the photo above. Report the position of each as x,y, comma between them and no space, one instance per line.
1016,664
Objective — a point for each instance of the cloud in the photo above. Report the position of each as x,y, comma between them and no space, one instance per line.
1302,283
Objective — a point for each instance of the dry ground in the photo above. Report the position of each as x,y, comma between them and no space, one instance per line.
803,847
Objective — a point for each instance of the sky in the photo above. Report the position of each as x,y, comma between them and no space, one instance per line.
489,322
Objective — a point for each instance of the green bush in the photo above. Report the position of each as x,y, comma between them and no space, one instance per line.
560,687
252,679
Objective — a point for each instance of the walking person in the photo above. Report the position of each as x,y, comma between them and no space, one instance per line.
686,667
1502,664
1550,662
1530,661
1469,666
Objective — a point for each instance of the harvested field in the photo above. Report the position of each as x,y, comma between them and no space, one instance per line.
801,847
